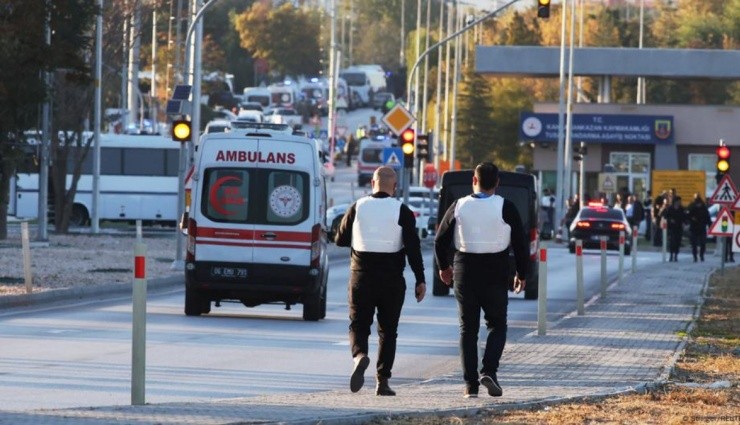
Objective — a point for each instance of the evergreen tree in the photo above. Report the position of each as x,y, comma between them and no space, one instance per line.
476,137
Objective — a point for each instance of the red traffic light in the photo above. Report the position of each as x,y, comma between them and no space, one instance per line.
723,152
408,136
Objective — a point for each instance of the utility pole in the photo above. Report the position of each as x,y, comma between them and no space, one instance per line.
43,207
455,84
402,54
438,103
559,181
153,90
133,61
95,219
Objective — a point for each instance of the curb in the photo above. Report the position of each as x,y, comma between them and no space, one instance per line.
83,293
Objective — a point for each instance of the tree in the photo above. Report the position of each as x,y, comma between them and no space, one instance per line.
23,53
476,132
287,37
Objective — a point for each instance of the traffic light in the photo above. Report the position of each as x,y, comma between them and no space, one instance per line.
543,8
579,152
424,147
181,130
723,162
407,139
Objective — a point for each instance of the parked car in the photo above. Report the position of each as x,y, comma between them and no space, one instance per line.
250,116
283,116
334,216
218,126
380,99
251,106
421,208
224,114
596,220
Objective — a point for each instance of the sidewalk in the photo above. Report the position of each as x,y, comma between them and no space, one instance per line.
625,342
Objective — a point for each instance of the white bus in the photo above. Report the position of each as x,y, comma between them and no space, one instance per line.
138,181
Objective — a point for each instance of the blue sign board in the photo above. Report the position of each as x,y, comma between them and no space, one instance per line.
591,128
393,157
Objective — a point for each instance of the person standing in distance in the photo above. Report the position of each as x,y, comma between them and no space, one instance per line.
381,232
483,226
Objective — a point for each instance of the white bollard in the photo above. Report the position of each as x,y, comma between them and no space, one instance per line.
26,248
602,244
579,276
634,249
542,294
138,334
621,256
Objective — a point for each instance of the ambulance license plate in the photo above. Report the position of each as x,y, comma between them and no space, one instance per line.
229,272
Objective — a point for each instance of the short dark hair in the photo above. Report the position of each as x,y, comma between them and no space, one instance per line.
487,175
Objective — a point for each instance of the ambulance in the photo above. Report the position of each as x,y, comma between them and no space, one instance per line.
256,227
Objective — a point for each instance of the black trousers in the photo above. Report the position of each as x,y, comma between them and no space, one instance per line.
698,242
481,284
674,240
368,292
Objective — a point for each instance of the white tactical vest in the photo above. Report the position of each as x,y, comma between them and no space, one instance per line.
376,227
479,225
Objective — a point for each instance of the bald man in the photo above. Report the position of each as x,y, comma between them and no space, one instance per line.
381,232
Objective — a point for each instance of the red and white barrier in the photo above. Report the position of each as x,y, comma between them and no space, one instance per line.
542,294
602,244
138,334
579,277
621,256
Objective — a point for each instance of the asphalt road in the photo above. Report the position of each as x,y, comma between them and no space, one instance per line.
79,354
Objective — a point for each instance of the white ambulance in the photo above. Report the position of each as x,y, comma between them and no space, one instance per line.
256,227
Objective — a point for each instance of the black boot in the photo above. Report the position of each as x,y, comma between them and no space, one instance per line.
382,388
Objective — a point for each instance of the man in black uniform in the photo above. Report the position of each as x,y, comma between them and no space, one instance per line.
483,226
382,233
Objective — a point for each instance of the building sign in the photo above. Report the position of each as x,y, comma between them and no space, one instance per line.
591,128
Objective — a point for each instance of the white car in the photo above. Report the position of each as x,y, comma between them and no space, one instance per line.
283,116
218,126
421,208
334,217
250,116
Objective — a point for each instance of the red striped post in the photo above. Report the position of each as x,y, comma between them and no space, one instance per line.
621,256
542,294
579,276
603,266
138,334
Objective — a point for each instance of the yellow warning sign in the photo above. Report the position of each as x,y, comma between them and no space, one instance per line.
398,119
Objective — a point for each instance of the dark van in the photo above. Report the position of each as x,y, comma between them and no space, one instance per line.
519,188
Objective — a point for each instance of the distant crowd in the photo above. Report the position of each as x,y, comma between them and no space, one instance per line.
664,209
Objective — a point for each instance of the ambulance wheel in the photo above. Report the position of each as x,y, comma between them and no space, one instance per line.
323,295
312,306
195,303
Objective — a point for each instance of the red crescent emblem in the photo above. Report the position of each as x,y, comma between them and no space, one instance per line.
213,195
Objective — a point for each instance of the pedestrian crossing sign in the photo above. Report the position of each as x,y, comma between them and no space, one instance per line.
393,157
726,193
723,225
